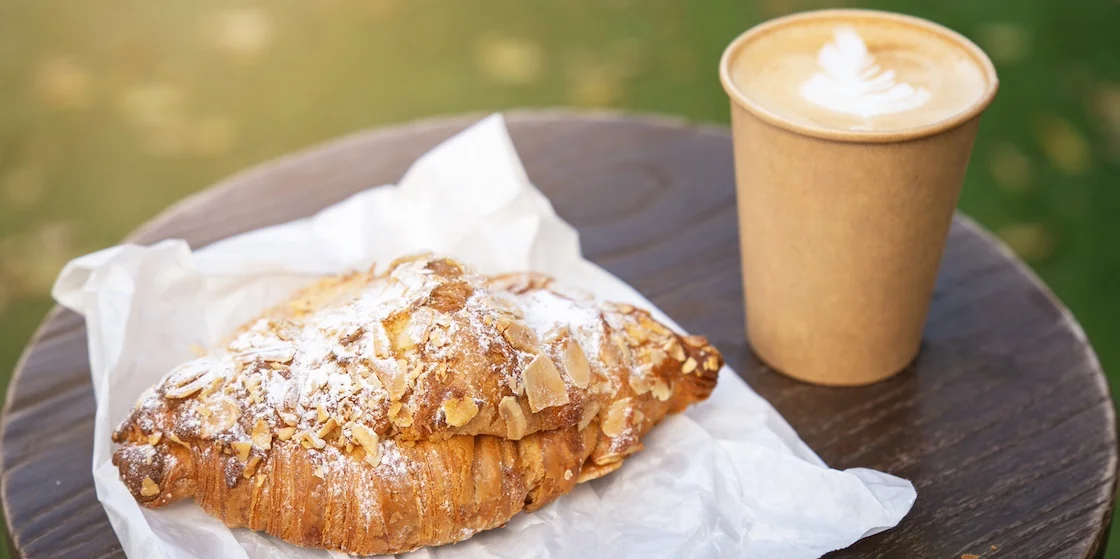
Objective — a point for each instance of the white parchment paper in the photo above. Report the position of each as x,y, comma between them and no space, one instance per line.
729,478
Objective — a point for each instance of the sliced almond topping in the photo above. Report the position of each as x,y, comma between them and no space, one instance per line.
327,428
608,354
224,413
186,390
505,304
654,326
188,378
365,437
314,441
285,433
674,349
689,366
514,283
624,308
625,355
614,424
262,435
394,408
403,418
415,372
516,385
278,352
251,467
608,459
154,438
459,411
404,341
594,471
711,363
602,386
438,338
380,342
398,380
637,334
638,417
421,324
660,390
260,480
556,334
320,472
291,397
575,364
651,357
322,413
590,410
543,384
696,341
373,456
510,412
521,337
640,383
175,438
572,293
148,488
242,449
373,381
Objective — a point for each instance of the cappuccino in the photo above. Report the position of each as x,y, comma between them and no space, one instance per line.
852,130
859,74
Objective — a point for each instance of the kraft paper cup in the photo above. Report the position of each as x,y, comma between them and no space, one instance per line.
842,232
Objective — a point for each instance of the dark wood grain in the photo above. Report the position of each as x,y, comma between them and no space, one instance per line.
1004,423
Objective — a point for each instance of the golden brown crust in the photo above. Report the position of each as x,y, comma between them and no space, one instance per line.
377,413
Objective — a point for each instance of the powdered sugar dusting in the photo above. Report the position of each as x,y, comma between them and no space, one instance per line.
546,310
369,373
392,461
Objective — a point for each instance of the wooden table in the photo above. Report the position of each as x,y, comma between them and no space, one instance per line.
1004,423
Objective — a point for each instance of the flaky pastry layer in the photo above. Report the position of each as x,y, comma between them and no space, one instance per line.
376,413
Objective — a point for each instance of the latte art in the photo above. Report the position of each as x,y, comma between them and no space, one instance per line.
858,73
849,81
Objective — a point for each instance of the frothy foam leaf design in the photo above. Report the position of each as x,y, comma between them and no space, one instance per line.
850,81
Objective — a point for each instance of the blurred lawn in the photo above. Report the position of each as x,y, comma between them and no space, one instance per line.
111,110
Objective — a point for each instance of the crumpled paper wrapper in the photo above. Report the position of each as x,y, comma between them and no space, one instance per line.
728,478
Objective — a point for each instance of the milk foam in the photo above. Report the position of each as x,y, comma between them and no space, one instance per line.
860,73
849,81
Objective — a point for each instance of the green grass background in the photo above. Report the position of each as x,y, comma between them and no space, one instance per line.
112,109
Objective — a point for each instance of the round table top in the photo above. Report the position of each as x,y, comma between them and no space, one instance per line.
1004,423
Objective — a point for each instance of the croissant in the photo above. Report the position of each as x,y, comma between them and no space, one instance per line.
378,413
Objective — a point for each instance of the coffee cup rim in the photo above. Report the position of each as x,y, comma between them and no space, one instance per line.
865,136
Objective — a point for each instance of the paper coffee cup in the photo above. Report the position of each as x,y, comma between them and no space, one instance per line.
847,185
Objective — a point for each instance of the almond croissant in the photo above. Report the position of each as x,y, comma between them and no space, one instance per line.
378,413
